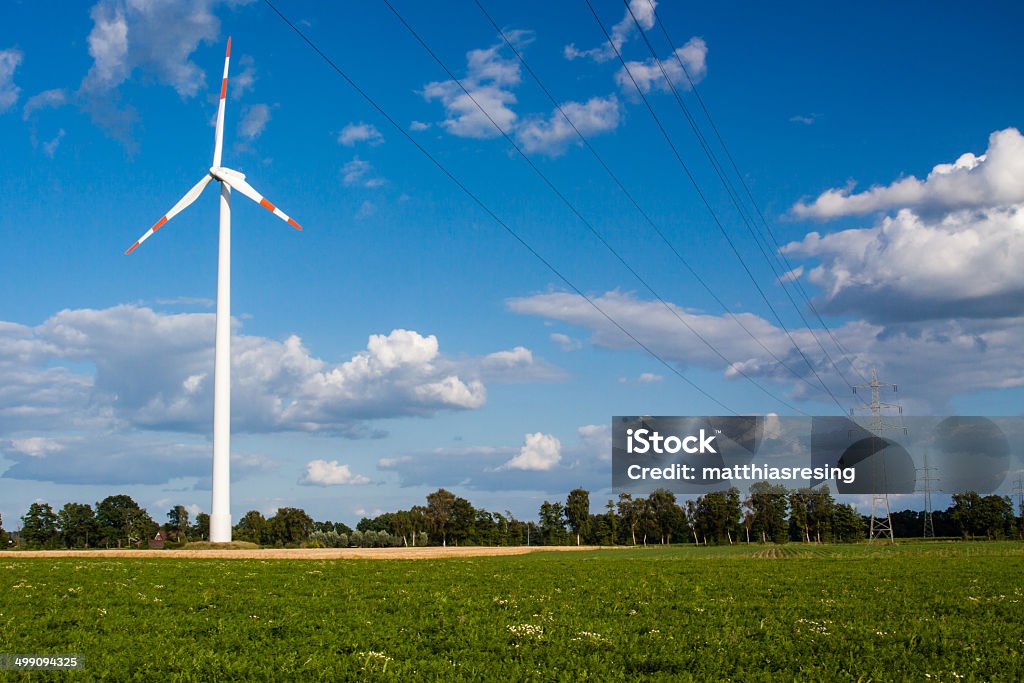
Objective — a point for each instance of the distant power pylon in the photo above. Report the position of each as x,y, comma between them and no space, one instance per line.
926,478
1019,490
881,524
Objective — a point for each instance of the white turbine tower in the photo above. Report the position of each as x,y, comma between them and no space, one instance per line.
220,519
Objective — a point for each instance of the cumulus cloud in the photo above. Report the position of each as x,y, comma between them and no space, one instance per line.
486,468
908,267
278,385
418,126
354,133
974,355
952,249
650,377
994,179
254,121
553,134
643,10
647,74
540,452
490,78
9,61
323,473
157,39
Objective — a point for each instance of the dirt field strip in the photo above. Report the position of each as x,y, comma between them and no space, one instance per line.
427,553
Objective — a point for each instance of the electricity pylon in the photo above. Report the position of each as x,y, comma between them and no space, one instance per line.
926,478
881,526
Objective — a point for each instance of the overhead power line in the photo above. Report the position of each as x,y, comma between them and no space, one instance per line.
586,143
486,209
780,254
576,212
747,220
710,209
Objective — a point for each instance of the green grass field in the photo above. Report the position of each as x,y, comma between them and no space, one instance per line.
922,612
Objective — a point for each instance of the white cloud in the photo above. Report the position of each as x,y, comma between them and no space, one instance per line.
643,10
50,146
792,275
908,267
278,385
323,473
974,355
996,178
254,122
48,99
952,249
244,80
366,209
566,342
806,119
9,61
489,78
552,135
157,39
357,172
35,446
354,133
648,74
540,452
650,377
418,126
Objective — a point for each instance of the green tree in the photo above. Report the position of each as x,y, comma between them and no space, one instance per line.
666,518
552,523
461,524
612,522
121,519
4,539
78,526
629,512
252,527
848,525
966,513
289,527
768,504
177,522
200,531
577,512
440,506
39,526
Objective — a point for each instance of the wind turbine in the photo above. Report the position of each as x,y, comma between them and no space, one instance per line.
220,519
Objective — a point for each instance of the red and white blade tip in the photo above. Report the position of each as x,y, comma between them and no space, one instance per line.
228,53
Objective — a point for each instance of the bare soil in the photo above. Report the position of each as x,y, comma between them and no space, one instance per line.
428,553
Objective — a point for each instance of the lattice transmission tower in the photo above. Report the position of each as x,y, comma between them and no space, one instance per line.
926,479
881,519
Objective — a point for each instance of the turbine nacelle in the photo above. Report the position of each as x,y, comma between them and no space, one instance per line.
222,173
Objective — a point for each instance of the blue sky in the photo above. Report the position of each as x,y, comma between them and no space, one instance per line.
403,341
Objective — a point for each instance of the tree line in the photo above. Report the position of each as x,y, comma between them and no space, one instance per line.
769,513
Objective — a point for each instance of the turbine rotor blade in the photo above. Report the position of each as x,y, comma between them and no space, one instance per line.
237,182
218,141
189,197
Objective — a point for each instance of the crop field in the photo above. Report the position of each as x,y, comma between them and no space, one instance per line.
924,612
